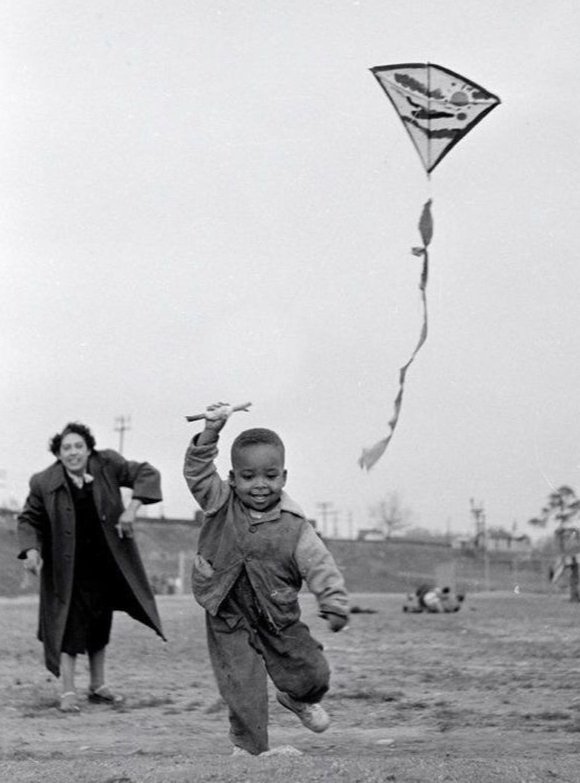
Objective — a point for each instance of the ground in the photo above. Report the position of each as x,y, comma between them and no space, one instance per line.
490,694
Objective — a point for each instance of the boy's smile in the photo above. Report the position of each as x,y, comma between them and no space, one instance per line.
258,475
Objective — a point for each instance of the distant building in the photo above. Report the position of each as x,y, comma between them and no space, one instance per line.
495,540
371,534
8,517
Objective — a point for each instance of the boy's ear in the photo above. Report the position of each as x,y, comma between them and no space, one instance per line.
284,477
231,479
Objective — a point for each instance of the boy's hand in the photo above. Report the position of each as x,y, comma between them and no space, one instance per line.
216,415
336,622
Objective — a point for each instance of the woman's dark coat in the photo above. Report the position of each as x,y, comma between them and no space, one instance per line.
47,523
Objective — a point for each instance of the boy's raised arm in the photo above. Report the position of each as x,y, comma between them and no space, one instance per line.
199,468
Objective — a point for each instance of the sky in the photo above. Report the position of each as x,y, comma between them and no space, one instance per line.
213,200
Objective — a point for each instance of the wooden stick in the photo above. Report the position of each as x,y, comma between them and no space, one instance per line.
199,416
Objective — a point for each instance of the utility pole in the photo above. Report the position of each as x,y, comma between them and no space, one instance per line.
324,511
478,514
122,424
334,514
3,500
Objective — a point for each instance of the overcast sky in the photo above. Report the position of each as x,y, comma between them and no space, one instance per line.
214,200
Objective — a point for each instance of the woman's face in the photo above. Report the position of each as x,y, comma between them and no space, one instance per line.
74,453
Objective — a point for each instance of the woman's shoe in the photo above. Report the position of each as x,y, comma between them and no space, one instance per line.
68,702
104,695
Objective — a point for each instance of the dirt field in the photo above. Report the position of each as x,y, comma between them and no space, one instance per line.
489,694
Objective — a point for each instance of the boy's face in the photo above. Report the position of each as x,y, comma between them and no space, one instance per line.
258,475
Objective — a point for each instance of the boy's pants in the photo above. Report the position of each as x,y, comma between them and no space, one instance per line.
244,654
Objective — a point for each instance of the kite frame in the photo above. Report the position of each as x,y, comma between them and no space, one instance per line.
465,80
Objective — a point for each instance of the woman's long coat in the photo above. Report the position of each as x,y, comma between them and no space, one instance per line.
47,523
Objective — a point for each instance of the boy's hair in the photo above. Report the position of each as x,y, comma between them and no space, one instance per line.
76,428
256,436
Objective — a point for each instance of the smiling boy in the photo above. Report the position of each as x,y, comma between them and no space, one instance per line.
255,550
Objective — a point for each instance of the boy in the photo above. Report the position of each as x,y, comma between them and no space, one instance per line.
255,549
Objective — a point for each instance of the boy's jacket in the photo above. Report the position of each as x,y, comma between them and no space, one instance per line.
278,551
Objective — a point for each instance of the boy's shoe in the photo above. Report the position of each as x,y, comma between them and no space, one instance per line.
313,716
68,702
237,751
283,750
105,695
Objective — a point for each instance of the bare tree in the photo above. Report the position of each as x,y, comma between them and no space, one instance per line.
390,515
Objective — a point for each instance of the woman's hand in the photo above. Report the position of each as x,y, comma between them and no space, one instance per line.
125,524
33,562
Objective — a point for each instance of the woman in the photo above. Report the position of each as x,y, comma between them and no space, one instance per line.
76,534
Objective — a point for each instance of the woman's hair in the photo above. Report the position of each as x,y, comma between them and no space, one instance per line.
254,437
76,428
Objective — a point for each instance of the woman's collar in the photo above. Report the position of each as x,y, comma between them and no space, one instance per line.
79,480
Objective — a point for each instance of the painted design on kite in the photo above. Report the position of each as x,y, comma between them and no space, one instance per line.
437,107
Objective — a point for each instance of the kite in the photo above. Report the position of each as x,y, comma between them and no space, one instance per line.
438,108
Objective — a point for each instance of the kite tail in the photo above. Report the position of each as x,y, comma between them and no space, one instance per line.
372,455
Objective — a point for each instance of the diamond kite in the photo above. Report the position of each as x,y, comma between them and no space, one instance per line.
437,106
